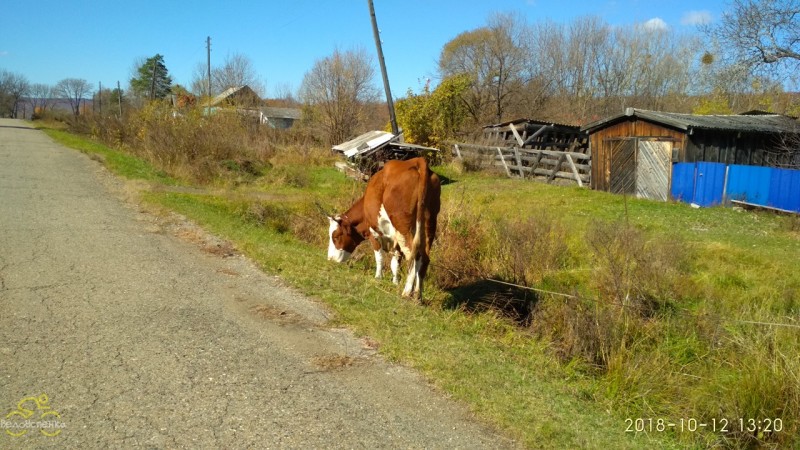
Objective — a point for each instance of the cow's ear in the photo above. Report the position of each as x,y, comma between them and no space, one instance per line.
336,219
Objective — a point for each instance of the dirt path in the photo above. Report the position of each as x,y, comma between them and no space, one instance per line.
142,339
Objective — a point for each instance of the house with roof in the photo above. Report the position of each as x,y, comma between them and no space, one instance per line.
236,96
280,118
244,100
634,152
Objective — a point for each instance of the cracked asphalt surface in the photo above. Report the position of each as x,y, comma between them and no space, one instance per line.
145,332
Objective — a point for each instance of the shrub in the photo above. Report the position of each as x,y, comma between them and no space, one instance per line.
530,248
633,272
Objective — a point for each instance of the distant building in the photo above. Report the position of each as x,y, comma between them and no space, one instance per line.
238,96
280,118
246,101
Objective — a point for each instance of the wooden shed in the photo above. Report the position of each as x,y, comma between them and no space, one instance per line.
633,152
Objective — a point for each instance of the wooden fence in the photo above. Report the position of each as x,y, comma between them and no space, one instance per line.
529,163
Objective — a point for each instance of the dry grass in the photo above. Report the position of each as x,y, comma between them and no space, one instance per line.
282,316
333,362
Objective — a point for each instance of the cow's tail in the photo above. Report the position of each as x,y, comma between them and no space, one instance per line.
422,192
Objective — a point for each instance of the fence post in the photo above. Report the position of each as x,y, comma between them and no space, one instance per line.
458,151
574,171
725,186
556,168
503,159
519,163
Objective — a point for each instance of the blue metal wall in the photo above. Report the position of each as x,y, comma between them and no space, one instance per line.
784,190
683,182
704,183
710,182
749,184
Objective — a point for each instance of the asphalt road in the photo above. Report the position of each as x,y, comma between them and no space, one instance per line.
145,332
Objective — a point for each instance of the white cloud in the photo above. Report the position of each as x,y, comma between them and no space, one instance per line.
696,18
655,24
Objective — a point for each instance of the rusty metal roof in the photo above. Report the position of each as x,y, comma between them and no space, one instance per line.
761,123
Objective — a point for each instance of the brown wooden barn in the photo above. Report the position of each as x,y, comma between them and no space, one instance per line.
633,152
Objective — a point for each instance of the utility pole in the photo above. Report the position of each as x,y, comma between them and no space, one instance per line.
208,80
100,97
389,102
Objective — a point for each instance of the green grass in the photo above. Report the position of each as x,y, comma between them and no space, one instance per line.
695,360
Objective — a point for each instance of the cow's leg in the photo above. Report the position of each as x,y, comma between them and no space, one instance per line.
413,281
422,270
396,255
379,263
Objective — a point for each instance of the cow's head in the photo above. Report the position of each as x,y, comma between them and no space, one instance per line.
342,242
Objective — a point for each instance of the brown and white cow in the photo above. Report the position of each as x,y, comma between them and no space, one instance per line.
396,214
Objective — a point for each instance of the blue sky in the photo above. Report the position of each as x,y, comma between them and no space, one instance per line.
99,41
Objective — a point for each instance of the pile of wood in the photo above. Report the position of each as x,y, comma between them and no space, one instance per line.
366,154
532,149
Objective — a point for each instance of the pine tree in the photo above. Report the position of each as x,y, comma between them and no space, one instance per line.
153,81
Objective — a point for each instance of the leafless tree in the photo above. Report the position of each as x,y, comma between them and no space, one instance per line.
336,91
237,70
786,152
494,57
41,97
284,93
13,87
762,34
199,86
73,89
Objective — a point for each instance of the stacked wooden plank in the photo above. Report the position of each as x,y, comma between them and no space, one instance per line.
532,149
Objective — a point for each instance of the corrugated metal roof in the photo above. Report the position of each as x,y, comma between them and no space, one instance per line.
365,143
762,123
372,141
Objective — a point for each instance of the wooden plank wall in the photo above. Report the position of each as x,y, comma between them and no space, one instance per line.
601,144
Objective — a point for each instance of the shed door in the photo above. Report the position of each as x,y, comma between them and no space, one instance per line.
652,172
622,173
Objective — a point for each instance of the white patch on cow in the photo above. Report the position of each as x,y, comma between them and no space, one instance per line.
396,267
388,230
412,281
379,263
335,254
411,278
